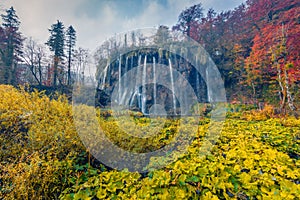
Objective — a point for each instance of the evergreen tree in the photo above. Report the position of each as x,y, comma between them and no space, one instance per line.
2,67
10,45
56,44
71,41
162,36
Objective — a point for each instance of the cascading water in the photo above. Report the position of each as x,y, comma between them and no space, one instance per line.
144,92
135,93
208,85
120,83
172,85
126,65
104,76
197,79
125,84
137,89
154,86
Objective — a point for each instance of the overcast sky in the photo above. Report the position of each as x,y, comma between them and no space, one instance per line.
97,20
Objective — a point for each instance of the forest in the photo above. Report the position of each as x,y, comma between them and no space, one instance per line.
52,149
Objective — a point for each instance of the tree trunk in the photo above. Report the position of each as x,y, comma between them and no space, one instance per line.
289,96
49,75
34,73
40,72
69,67
254,93
283,93
55,70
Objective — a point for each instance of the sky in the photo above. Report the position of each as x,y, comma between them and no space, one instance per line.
97,20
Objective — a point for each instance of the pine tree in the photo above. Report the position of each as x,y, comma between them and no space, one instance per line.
162,36
71,41
10,45
56,43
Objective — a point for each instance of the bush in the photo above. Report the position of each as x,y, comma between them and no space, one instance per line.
37,138
42,157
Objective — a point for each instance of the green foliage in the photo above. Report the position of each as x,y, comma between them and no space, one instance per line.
43,158
10,46
243,165
39,145
56,43
56,40
70,42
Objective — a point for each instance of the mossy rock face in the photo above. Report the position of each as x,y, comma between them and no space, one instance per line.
102,99
132,59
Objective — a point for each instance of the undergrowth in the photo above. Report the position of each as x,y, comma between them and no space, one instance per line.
42,156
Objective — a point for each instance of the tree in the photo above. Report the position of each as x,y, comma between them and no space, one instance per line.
216,33
56,44
41,60
29,57
282,65
206,29
162,36
33,56
274,53
81,59
189,18
10,45
2,67
71,41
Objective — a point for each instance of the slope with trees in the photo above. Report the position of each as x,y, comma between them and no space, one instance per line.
255,47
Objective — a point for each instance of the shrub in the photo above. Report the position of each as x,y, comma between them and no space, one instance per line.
42,157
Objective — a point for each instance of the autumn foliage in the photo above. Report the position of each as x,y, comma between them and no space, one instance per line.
249,43
256,156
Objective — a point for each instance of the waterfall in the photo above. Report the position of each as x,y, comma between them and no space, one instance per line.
125,83
137,90
131,62
120,84
154,86
207,85
126,66
197,79
144,92
104,76
172,85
